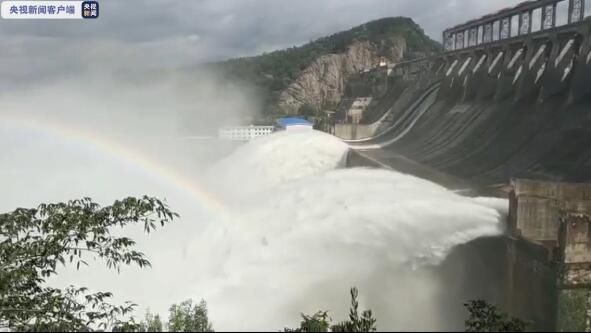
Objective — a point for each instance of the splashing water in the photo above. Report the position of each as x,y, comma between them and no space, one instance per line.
308,231
298,232
276,159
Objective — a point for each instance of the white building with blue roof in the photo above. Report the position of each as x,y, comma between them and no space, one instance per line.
292,123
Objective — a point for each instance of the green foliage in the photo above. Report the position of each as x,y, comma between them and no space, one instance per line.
487,318
151,323
365,323
321,322
33,242
572,310
186,317
273,72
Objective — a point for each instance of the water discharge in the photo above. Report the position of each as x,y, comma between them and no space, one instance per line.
297,231
308,230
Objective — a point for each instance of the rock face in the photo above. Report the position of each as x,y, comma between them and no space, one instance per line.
322,84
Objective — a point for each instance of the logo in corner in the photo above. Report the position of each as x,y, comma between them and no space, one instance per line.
90,9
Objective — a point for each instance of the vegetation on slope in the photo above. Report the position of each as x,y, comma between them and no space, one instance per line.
272,72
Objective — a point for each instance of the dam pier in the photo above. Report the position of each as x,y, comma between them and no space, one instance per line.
549,254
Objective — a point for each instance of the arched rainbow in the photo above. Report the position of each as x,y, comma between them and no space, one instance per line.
115,148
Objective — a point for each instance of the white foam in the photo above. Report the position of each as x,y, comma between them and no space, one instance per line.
295,245
272,160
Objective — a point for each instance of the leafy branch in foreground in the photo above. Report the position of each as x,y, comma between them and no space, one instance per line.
487,318
33,242
320,321
484,317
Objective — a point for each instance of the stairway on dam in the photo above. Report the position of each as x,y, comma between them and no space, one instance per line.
506,110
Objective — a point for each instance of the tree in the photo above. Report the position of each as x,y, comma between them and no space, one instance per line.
185,317
365,323
320,322
33,242
151,323
487,318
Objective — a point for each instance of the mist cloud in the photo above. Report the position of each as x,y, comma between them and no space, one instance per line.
173,33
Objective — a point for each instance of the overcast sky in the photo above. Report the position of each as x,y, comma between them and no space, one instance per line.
184,32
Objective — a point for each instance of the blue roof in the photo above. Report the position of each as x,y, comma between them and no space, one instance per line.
292,121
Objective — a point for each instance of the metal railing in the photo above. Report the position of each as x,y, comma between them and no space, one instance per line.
524,19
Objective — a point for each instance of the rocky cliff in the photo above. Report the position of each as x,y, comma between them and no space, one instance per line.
312,77
322,84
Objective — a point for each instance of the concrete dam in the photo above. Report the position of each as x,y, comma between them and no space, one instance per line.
505,109
492,111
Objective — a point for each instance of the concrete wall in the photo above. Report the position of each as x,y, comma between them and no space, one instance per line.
550,254
537,219
575,240
539,206
357,131
531,291
356,160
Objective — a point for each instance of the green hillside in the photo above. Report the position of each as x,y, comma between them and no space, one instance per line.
272,72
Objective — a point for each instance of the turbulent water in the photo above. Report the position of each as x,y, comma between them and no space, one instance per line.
293,232
304,230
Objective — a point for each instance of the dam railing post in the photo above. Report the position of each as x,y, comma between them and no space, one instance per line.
576,11
549,17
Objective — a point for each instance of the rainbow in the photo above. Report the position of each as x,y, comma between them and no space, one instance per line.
116,149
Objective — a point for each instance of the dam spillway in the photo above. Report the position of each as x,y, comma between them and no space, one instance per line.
514,107
505,109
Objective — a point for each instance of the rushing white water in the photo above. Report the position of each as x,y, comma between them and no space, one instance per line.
273,160
296,233
303,232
